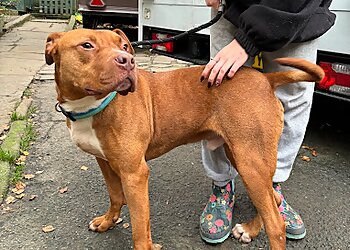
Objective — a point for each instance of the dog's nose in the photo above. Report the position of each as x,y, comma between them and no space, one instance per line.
125,61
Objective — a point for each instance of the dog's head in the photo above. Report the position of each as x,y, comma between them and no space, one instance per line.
91,62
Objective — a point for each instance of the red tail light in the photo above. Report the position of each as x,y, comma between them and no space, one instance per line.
168,47
97,3
337,78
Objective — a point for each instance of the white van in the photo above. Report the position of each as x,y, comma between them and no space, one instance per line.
165,18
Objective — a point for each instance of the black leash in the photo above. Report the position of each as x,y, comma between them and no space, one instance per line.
186,33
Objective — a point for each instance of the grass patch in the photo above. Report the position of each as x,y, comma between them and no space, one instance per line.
7,156
32,109
16,117
29,135
27,92
17,173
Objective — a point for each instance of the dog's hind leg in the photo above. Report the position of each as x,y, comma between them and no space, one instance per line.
116,196
256,170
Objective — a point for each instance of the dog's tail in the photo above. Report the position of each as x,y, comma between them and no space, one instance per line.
308,72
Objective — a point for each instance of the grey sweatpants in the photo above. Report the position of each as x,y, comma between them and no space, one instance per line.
296,99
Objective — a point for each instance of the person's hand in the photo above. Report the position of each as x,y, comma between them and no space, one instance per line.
228,60
213,3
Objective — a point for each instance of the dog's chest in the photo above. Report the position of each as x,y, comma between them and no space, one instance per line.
84,136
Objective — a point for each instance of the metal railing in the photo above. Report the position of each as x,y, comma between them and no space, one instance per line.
58,7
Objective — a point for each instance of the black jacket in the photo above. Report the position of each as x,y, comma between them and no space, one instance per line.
268,25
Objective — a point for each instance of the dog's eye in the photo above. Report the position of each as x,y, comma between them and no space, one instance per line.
125,47
87,45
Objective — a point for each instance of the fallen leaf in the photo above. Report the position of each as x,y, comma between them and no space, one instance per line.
48,229
84,168
22,158
305,158
7,209
6,127
20,196
126,225
63,190
10,200
156,247
20,185
119,220
26,153
314,153
28,176
32,197
19,188
17,191
39,172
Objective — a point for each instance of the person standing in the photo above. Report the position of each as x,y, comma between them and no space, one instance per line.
277,29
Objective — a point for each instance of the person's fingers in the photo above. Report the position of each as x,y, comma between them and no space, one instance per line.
224,69
206,72
215,72
238,63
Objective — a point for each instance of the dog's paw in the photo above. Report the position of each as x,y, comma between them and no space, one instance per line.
101,224
240,234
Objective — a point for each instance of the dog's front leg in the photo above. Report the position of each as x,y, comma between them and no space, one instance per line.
134,177
116,196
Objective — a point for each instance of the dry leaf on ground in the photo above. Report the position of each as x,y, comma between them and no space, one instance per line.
7,209
126,225
48,229
156,247
314,153
32,197
28,176
39,172
84,168
63,190
17,191
26,153
20,196
22,158
306,158
20,185
10,199
307,147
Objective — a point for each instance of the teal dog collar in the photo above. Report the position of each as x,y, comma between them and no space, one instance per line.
73,116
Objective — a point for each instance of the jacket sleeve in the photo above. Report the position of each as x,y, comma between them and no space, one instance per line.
272,24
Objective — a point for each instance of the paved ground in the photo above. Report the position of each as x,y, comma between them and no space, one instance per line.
21,56
319,189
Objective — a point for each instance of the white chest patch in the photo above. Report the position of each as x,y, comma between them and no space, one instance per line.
84,136
81,131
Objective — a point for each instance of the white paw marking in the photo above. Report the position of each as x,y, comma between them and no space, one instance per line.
239,233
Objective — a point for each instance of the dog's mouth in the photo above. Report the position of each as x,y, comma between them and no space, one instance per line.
126,86
123,87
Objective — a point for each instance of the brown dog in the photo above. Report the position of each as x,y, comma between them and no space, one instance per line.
164,111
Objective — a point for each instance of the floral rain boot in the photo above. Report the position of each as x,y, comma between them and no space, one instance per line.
295,228
216,219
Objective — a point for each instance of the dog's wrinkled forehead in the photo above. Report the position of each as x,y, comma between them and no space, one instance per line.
98,38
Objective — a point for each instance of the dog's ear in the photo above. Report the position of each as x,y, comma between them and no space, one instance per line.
125,38
51,46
